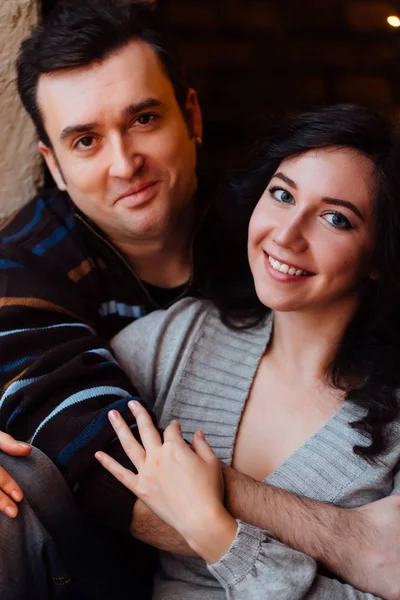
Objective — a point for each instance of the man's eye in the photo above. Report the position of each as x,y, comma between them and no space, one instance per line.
281,195
337,220
86,141
145,119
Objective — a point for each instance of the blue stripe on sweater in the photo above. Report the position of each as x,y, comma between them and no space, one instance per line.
14,415
36,218
12,365
16,386
81,396
10,264
104,353
90,431
123,310
53,239
13,331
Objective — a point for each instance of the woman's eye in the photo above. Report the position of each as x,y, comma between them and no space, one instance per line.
337,220
281,195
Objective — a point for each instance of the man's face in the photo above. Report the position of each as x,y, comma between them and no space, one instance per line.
122,148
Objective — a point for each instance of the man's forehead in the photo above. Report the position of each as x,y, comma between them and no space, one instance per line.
127,77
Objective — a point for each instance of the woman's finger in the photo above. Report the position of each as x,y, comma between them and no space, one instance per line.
131,446
173,432
125,476
148,433
7,506
202,447
11,446
9,486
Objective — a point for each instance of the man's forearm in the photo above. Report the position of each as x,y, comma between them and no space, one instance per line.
149,528
307,526
324,532
302,524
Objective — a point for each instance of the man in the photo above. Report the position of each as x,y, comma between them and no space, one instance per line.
129,231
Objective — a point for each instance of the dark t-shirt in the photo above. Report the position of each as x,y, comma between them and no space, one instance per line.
163,297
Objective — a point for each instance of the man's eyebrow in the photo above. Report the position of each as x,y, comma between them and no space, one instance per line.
130,110
286,179
337,202
133,109
72,129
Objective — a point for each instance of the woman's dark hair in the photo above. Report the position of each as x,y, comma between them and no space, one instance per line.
78,34
367,362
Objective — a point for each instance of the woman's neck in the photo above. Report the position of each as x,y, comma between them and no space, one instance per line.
304,344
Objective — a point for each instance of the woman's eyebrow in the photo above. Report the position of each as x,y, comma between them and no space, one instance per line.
286,179
327,200
337,202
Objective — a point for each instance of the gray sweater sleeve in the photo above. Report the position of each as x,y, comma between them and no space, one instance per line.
257,567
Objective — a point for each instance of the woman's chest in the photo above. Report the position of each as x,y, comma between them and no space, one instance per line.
278,417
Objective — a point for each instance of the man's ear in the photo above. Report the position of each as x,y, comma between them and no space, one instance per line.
193,116
374,275
52,163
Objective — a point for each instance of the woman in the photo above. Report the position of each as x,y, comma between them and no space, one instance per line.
302,394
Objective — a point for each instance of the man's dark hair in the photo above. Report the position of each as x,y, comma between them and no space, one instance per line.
77,34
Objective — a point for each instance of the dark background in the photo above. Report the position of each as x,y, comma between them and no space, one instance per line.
252,59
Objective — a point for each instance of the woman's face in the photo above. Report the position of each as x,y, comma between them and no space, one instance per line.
312,233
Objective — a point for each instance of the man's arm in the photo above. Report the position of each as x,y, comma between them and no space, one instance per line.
58,377
149,528
303,524
359,545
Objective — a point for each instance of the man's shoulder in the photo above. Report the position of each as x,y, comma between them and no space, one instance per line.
38,219
44,228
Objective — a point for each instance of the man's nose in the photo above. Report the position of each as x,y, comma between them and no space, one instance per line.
125,161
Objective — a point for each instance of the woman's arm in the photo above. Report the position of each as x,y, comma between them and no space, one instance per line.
184,487
257,567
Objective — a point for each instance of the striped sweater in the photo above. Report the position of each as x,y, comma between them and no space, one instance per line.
65,291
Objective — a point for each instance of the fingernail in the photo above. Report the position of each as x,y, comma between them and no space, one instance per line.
24,444
113,415
11,511
98,455
132,405
16,495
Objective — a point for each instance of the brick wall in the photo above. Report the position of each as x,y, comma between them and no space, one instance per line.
253,58
20,165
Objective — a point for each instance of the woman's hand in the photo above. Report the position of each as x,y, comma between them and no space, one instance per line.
10,492
182,485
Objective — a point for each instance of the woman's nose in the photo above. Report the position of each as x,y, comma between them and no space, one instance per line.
291,235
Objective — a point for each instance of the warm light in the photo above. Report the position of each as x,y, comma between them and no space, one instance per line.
393,21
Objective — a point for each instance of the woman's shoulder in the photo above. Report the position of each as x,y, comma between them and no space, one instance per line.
180,315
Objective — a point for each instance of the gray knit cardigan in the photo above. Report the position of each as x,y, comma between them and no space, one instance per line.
188,366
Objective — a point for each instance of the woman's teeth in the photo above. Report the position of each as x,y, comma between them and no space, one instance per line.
284,268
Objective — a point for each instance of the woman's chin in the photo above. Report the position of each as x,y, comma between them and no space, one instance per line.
280,303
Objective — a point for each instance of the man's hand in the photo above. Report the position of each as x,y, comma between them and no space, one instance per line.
372,562
10,492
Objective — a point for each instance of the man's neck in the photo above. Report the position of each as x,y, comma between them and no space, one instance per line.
165,262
